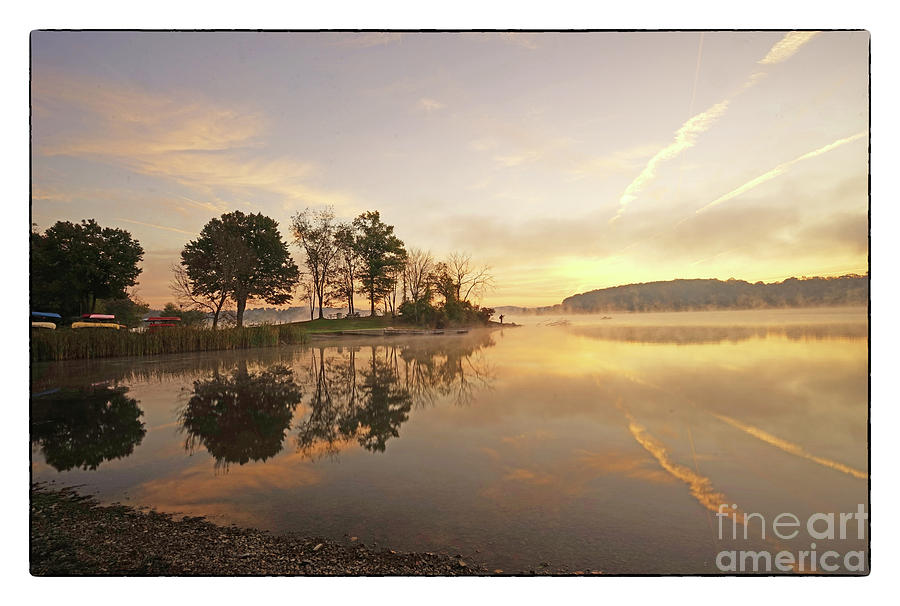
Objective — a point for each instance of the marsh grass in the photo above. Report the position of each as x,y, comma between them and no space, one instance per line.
68,344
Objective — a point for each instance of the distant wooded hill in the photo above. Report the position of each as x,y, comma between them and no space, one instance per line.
684,295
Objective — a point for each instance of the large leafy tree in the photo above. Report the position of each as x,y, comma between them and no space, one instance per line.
241,256
381,256
75,264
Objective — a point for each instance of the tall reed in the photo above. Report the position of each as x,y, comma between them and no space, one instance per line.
87,343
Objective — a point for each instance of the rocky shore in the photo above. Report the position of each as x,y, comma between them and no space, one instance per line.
74,535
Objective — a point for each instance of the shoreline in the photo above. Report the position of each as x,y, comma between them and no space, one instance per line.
75,535
66,344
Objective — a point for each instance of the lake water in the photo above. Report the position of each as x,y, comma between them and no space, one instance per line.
574,443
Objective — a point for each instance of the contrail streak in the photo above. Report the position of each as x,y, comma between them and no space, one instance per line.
175,229
696,74
779,170
786,47
791,448
686,136
204,205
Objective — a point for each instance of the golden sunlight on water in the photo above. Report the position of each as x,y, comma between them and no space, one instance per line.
577,442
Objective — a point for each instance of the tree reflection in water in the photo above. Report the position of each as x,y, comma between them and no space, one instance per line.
455,372
242,416
366,401
82,428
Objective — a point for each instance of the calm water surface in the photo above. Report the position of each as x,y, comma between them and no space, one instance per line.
581,443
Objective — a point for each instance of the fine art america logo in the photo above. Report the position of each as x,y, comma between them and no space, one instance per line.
787,526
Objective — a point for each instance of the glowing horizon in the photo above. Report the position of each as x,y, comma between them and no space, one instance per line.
566,161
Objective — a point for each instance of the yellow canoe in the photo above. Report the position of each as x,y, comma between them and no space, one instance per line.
49,325
97,325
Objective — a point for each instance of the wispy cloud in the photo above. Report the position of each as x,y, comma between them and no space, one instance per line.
787,47
368,39
193,141
516,159
779,170
686,136
50,194
557,152
617,162
523,40
484,144
430,105
120,120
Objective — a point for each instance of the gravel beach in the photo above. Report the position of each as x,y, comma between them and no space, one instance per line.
73,535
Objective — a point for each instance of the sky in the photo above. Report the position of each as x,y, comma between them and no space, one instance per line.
565,161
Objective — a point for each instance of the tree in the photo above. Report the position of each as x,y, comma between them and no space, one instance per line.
129,311
468,280
381,255
417,279
189,317
444,283
456,283
209,265
344,278
193,297
395,286
314,232
308,295
241,256
75,264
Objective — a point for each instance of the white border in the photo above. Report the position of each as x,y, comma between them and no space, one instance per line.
166,14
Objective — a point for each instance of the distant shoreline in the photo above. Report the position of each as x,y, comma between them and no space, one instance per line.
559,311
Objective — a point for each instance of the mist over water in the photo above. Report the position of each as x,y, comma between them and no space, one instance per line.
575,441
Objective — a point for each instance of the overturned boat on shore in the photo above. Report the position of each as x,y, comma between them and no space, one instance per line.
43,319
98,321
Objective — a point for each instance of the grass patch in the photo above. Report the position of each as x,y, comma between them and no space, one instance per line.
325,325
81,344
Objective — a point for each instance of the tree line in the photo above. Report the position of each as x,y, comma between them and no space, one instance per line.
365,257
238,258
